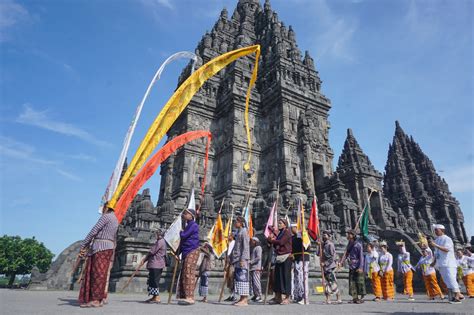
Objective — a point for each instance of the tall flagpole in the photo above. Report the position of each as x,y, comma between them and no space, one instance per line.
358,221
270,252
226,263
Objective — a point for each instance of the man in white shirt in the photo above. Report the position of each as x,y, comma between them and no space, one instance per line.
446,262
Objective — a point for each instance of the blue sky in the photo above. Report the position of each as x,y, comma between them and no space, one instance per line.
72,73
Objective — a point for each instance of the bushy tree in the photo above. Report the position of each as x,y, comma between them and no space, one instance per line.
18,257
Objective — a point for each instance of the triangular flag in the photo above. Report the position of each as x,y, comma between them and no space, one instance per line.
227,228
300,227
248,220
192,202
364,222
269,228
211,231
313,224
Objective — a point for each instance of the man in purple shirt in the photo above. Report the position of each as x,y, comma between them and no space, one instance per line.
355,258
189,249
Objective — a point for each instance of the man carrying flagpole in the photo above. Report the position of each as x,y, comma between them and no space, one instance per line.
240,260
189,249
300,242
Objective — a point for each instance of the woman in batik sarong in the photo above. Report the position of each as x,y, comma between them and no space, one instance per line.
98,246
189,249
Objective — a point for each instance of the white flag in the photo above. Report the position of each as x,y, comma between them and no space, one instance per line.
172,236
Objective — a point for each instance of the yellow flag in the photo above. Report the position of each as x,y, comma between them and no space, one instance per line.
301,227
218,240
211,231
227,229
175,106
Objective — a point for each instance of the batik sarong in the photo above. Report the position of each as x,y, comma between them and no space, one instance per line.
95,277
300,280
187,277
356,283
330,280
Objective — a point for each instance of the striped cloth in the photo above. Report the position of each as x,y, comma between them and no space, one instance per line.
376,284
102,235
408,283
431,285
388,289
469,283
256,286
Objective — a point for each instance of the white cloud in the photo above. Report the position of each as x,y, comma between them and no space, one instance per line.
155,7
68,175
460,179
18,150
40,119
335,32
25,152
11,14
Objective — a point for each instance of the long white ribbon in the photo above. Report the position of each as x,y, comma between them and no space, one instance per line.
114,179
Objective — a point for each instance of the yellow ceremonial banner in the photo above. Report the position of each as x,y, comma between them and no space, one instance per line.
218,240
175,106
301,228
250,225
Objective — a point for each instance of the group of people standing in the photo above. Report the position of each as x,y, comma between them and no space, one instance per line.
289,265
377,265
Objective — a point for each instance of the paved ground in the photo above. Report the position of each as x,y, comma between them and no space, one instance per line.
64,302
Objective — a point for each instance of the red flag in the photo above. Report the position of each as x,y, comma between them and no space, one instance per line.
313,224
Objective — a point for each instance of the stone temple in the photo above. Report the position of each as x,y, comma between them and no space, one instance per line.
291,152
289,121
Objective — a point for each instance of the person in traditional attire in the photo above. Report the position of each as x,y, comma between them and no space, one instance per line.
283,246
256,269
155,260
425,246
372,269
446,262
327,253
204,270
405,268
300,269
99,247
429,275
355,258
465,260
189,249
240,260
386,272
230,269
